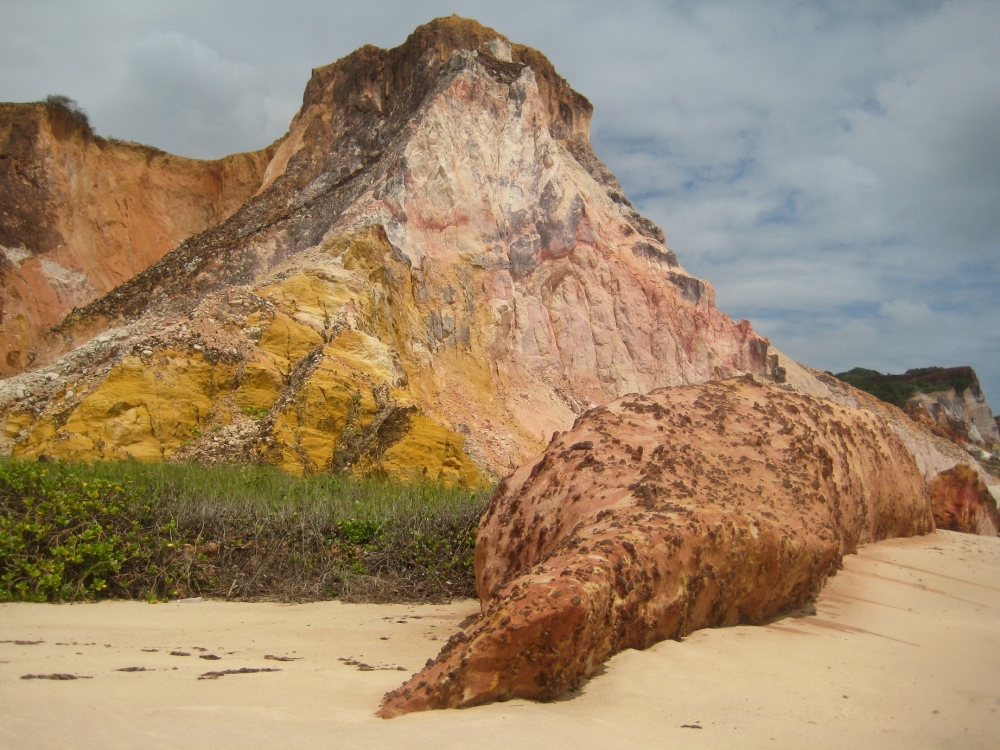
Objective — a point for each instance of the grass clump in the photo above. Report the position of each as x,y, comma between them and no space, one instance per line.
131,530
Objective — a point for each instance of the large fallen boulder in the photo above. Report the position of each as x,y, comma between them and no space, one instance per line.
691,507
961,502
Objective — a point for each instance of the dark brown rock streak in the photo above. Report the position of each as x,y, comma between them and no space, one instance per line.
690,507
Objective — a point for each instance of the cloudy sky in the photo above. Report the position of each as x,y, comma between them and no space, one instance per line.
832,167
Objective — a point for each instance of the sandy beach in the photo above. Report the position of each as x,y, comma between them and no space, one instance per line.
903,651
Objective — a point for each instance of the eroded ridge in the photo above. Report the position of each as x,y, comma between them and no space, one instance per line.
435,251
690,507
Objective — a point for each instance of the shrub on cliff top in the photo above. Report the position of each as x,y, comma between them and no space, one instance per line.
897,389
76,112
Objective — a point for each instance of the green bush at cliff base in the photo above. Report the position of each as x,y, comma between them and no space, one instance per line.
67,537
130,530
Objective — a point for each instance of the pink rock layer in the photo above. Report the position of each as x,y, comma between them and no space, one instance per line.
962,502
690,507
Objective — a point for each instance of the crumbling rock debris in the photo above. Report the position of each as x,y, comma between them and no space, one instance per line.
363,667
692,507
241,670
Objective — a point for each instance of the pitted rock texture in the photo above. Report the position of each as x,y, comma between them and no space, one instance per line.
932,452
80,214
961,502
689,507
512,287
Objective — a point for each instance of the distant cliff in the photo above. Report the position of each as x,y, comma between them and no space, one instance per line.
948,401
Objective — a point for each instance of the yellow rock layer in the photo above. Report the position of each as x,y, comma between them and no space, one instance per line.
140,411
285,340
350,410
429,451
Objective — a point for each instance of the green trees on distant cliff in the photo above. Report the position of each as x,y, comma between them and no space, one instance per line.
897,389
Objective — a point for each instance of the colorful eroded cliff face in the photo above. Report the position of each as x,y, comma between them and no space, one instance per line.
79,215
436,275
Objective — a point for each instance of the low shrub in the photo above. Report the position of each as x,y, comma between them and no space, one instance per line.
70,106
130,530
65,538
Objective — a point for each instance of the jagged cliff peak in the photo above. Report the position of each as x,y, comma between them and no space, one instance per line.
436,273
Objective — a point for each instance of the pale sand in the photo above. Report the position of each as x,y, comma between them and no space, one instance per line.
904,652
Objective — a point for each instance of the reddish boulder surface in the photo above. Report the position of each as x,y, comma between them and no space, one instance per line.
690,507
961,502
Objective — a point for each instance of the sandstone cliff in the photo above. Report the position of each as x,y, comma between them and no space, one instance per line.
79,215
657,515
437,274
948,401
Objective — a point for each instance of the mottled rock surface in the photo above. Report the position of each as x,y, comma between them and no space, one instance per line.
436,243
688,507
961,502
80,214
932,452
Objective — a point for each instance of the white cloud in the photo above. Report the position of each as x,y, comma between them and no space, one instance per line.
181,95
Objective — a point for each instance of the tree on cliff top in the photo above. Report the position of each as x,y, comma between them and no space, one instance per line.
77,112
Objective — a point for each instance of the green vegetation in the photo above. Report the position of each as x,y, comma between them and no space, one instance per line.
256,413
77,532
896,389
75,111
